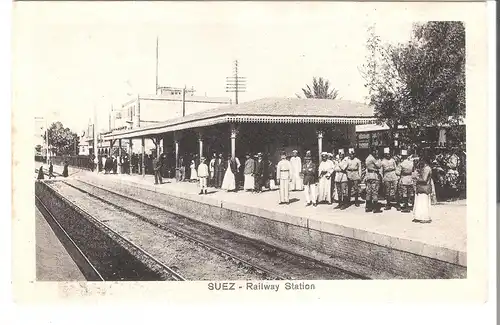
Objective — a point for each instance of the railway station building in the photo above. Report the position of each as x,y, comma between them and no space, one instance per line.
266,125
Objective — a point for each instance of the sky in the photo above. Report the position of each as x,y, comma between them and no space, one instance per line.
73,56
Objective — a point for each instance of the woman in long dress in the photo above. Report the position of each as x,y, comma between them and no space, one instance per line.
65,169
422,206
229,181
194,173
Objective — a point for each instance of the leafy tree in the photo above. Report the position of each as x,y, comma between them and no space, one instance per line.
420,83
384,86
62,141
432,67
320,89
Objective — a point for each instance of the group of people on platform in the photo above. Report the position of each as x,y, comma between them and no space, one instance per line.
405,179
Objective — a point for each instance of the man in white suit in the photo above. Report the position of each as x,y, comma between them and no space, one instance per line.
296,170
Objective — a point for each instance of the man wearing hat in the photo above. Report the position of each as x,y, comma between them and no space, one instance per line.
373,165
406,193
353,176
296,169
259,173
283,177
157,165
249,171
309,179
389,178
325,171
341,181
203,175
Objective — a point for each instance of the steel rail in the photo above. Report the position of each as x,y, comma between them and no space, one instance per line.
96,274
310,259
174,274
176,232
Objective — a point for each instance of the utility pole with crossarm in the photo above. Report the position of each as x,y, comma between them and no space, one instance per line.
236,84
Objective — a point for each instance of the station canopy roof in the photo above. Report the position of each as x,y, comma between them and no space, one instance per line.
267,110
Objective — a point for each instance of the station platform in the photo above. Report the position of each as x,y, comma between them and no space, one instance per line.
53,262
388,240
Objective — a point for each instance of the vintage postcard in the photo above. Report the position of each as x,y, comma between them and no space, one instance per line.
259,151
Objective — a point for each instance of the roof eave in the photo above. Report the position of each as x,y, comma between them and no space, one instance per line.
232,118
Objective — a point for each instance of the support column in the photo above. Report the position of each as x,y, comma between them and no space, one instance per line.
200,143
119,162
157,143
320,143
234,133
130,144
143,161
176,153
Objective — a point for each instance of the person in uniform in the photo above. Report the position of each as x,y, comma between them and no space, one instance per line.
308,173
249,172
203,175
389,178
325,170
405,188
296,170
353,176
398,159
284,177
341,180
372,181
157,165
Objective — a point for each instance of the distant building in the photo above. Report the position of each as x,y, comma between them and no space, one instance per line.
150,109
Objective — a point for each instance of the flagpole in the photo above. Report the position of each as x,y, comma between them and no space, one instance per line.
156,91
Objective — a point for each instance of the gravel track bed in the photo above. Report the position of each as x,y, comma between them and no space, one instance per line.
289,266
191,261
113,262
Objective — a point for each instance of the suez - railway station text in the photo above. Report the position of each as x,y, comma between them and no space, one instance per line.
259,286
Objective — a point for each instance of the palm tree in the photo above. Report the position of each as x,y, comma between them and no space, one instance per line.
320,89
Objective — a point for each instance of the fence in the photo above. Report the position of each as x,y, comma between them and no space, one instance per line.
82,162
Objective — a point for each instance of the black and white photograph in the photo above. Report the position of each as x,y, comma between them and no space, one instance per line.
195,143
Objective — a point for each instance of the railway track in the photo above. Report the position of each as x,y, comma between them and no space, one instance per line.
139,263
88,269
278,264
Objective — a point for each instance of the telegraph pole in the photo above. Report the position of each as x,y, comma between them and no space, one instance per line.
236,84
46,142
